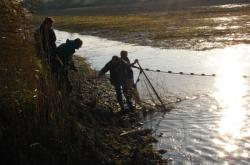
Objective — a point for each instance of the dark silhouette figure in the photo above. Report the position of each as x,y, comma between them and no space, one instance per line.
46,40
120,72
65,53
131,86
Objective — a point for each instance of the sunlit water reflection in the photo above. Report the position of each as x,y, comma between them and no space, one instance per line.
211,125
231,89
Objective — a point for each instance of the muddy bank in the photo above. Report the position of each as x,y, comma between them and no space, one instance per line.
199,28
148,39
40,124
117,138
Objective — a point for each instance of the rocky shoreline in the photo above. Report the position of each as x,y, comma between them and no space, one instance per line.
40,125
121,136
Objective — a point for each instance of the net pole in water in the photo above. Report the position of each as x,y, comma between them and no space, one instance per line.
151,85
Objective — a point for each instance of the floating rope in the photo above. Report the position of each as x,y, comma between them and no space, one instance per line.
183,73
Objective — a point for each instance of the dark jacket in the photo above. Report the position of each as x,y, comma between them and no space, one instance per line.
119,74
45,42
127,61
48,39
65,52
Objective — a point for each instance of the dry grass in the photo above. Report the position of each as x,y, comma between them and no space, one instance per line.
31,108
19,66
40,124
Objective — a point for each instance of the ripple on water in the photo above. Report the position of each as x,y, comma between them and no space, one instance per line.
191,131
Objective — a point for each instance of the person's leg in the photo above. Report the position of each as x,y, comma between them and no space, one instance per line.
118,91
128,94
136,96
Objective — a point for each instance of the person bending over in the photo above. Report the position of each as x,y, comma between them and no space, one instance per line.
120,73
65,53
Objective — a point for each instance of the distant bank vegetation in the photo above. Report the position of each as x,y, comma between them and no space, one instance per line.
74,3
45,4
198,28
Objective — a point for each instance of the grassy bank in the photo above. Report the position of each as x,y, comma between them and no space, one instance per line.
197,28
40,125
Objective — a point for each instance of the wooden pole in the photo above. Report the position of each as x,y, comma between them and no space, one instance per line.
151,85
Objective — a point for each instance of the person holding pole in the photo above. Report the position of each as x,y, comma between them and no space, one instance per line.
130,82
120,72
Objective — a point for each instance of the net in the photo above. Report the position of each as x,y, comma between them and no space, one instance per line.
153,91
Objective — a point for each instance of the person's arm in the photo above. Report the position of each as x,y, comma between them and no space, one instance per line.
133,64
136,60
127,61
105,69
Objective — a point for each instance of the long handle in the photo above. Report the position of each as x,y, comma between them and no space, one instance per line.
151,85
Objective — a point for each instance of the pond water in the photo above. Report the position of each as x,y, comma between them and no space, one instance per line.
212,124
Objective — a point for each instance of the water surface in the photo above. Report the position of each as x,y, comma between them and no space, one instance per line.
212,124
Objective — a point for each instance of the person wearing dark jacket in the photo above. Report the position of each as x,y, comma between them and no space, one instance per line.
130,83
120,73
46,40
66,50
65,54
124,56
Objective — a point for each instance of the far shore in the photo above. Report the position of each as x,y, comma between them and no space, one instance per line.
197,29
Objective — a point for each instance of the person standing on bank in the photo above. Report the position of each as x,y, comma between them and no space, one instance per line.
46,40
120,72
132,90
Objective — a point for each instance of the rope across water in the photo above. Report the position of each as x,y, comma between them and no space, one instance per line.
152,90
183,73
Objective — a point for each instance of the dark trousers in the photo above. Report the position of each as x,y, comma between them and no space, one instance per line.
123,89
